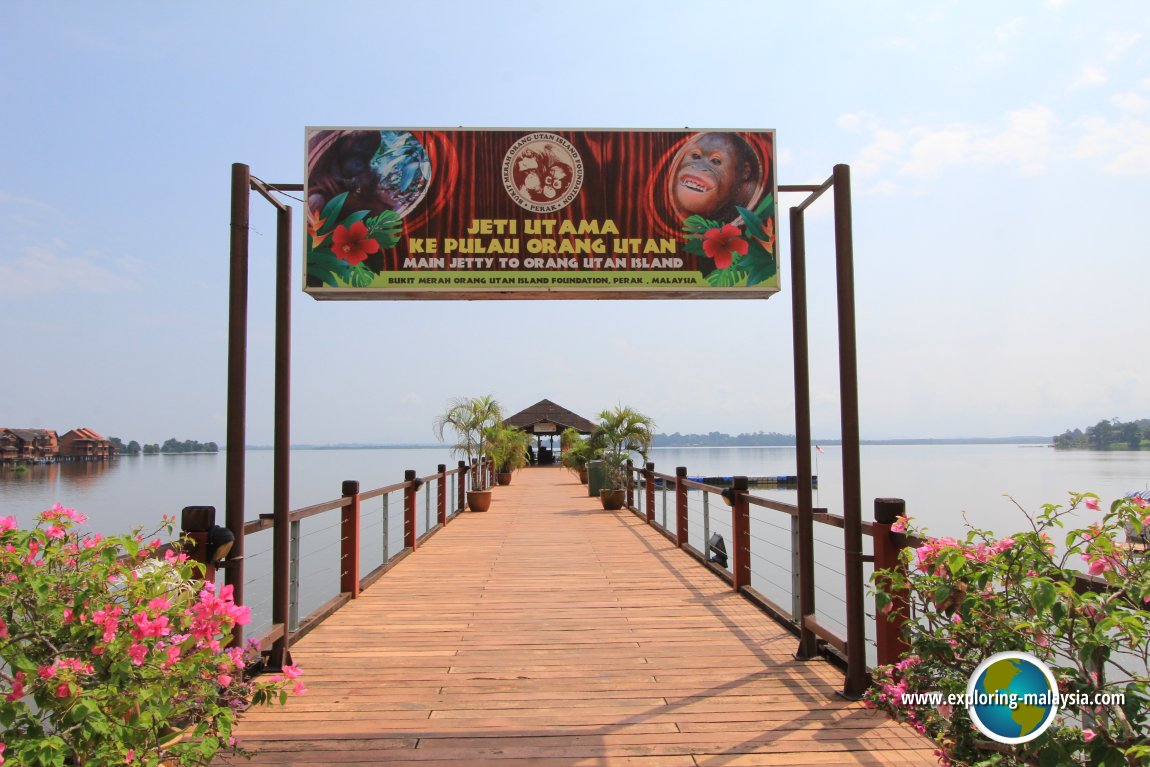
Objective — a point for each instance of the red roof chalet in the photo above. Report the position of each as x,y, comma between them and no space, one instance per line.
85,445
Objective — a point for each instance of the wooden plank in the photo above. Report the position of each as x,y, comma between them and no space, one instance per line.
550,633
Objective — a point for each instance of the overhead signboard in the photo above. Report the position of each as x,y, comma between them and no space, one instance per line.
408,213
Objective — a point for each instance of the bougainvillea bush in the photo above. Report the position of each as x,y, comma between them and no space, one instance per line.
113,655
969,599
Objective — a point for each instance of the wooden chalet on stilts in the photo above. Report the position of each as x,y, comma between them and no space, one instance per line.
84,445
546,419
28,445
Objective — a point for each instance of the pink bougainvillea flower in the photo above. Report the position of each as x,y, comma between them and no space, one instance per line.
17,687
7,523
1092,503
137,652
721,244
1002,545
1089,735
899,525
351,244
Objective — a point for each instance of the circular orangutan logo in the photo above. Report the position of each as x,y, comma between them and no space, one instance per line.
542,172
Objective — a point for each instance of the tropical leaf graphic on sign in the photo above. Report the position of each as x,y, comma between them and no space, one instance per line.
742,257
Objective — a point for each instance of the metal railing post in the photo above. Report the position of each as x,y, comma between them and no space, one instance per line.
441,493
349,538
706,525
796,572
386,529
293,578
461,488
409,531
890,622
630,484
741,533
649,491
680,505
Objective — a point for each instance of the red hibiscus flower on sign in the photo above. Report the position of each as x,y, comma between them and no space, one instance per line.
351,243
722,244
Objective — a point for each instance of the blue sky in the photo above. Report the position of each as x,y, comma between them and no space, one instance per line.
1000,157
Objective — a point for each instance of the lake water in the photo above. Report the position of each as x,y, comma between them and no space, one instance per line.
941,484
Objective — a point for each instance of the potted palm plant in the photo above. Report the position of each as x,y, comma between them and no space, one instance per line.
576,453
469,419
620,432
507,447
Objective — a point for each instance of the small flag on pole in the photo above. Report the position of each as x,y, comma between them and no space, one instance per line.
819,449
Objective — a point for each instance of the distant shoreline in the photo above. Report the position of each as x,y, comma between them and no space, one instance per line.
693,441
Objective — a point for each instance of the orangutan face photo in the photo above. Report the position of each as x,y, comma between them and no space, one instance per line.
715,173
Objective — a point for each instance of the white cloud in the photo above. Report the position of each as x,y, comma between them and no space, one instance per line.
1008,30
1130,102
1026,141
1124,143
850,121
1089,77
41,270
1118,42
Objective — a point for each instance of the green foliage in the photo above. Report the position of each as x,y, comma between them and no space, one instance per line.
507,447
620,432
1107,434
576,450
469,419
974,597
387,227
174,445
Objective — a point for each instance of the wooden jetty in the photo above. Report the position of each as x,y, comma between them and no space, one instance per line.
550,633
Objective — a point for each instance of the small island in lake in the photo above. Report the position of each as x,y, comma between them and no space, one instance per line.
1107,434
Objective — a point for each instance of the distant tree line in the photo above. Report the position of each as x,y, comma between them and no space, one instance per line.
170,446
718,439
1107,434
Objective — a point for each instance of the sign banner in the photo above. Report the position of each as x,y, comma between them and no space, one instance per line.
409,213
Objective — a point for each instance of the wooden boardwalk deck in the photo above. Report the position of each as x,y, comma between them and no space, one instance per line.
550,633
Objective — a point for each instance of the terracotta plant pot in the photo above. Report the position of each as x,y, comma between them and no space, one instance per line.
583,476
612,500
479,500
503,477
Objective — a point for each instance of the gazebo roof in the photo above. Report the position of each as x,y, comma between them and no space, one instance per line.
545,412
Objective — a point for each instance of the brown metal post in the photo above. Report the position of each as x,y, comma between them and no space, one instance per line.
856,679
808,642
889,625
680,505
441,493
649,489
237,381
349,538
462,487
630,484
409,536
741,532
281,470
